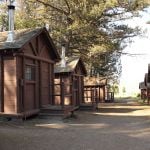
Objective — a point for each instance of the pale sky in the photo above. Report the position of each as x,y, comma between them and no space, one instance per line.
134,68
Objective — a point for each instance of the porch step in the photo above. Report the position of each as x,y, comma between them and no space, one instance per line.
88,106
58,110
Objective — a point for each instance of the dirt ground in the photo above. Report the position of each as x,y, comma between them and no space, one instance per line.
116,126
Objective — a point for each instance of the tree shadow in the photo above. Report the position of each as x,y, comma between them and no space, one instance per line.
118,110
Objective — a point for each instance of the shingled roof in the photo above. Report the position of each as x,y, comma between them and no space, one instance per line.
22,37
95,81
71,64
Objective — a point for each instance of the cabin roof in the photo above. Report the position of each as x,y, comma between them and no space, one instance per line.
142,85
146,79
148,68
71,64
22,37
95,81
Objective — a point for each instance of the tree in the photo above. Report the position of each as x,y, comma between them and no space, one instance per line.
123,90
85,27
3,17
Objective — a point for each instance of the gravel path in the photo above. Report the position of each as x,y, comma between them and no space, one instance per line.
119,126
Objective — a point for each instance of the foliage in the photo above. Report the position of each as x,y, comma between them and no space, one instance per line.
123,90
85,27
3,17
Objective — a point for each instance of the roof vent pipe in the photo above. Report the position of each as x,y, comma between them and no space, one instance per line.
11,10
63,59
47,26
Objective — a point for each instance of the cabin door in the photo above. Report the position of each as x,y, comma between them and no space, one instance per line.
81,89
76,90
30,87
45,83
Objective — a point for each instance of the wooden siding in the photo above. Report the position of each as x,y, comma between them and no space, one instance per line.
45,85
45,53
1,85
26,77
68,89
10,85
63,90
20,84
30,96
96,91
38,93
37,50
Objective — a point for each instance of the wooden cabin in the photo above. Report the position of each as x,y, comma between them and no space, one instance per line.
143,89
97,84
69,84
147,84
26,72
95,91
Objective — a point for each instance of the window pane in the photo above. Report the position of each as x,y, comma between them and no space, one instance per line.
30,73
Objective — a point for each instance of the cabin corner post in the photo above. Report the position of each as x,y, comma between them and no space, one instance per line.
52,86
40,84
148,95
23,81
36,86
62,94
82,87
72,91
2,84
99,93
50,83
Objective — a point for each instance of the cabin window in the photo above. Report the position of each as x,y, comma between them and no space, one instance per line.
30,73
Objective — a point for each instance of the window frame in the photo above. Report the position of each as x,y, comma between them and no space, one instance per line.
31,74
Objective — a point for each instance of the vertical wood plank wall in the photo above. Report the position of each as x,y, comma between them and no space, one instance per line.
10,86
45,99
63,89
18,94
1,101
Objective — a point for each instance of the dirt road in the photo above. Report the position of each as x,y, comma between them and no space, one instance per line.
119,126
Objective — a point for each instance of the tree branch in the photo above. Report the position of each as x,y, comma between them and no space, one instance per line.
67,6
53,7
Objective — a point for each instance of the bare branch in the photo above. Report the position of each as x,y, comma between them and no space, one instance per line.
130,54
67,6
53,7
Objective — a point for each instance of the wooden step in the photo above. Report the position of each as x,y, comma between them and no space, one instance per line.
58,110
88,106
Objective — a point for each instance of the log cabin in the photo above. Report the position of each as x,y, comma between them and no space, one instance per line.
26,72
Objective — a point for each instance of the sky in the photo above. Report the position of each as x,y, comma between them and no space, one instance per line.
134,68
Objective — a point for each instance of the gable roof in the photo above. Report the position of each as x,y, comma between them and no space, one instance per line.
71,64
95,81
24,36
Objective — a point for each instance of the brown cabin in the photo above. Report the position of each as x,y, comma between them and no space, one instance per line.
27,71
143,89
69,82
147,84
97,86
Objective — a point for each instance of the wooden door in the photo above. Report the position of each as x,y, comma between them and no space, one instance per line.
75,90
81,89
30,87
45,84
